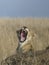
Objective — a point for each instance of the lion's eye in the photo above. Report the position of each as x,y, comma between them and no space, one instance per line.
25,31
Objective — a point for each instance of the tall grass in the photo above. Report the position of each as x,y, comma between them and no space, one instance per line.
8,37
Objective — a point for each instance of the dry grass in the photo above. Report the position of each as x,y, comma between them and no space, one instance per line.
8,37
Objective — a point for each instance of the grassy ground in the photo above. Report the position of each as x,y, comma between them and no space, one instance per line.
8,37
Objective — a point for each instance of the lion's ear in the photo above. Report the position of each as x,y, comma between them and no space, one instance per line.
17,31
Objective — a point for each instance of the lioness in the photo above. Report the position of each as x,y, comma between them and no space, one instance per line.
28,40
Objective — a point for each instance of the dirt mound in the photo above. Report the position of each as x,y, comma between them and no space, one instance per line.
28,58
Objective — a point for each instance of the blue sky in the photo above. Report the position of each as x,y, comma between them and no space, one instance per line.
24,8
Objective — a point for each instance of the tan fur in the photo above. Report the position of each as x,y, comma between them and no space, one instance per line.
32,42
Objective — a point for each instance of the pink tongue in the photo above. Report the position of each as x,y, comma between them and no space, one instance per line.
22,37
22,34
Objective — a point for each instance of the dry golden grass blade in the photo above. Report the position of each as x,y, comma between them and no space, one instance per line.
8,37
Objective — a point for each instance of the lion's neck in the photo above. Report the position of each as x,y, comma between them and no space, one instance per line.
26,42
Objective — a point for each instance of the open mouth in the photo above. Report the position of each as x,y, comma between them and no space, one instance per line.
23,36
